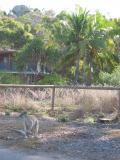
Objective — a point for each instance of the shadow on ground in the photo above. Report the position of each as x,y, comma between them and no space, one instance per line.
74,140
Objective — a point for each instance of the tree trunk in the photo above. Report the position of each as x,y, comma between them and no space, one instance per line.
89,82
90,76
76,78
88,61
38,67
83,74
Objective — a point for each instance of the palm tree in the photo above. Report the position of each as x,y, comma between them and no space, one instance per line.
83,39
71,32
100,49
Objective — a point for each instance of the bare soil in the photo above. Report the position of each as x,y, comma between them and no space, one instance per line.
74,140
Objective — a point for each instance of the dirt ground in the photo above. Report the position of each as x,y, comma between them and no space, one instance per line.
75,140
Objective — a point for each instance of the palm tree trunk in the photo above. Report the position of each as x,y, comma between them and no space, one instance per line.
76,78
89,82
88,61
83,74
90,76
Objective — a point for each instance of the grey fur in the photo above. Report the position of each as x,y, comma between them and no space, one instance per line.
30,123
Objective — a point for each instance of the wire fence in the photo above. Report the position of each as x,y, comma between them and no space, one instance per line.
60,96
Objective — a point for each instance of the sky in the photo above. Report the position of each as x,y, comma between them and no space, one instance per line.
110,8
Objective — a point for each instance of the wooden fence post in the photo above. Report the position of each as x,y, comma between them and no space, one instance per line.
119,101
53,98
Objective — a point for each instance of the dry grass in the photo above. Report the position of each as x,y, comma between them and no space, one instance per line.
87,100
73,101
79,103
20,99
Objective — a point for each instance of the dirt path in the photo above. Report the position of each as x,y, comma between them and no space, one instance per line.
6,154
73,141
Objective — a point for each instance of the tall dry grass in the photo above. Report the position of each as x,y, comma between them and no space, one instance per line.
67,100
88,100
24,99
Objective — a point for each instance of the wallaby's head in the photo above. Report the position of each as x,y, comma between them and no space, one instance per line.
23,114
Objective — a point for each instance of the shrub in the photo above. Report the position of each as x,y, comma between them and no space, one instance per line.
63,118
9,78
111,79
89,120
53,79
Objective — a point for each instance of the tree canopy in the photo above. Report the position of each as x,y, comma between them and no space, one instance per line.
77,45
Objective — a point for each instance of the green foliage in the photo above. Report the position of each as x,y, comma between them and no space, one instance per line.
40,49
53,79
104,77
9,78
63,118
89,119
13,108
83,37
111,79
72,30
31,52
13,33
7,113
78,45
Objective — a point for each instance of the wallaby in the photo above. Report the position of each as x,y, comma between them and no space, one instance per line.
31,124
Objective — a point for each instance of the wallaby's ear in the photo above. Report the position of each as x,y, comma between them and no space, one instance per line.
23,113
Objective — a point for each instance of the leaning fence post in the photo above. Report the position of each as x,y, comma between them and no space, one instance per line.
53,98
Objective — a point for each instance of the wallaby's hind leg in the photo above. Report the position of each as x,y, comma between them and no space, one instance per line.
36,129
25,130
30,129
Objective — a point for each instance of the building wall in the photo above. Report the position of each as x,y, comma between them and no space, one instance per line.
6,62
